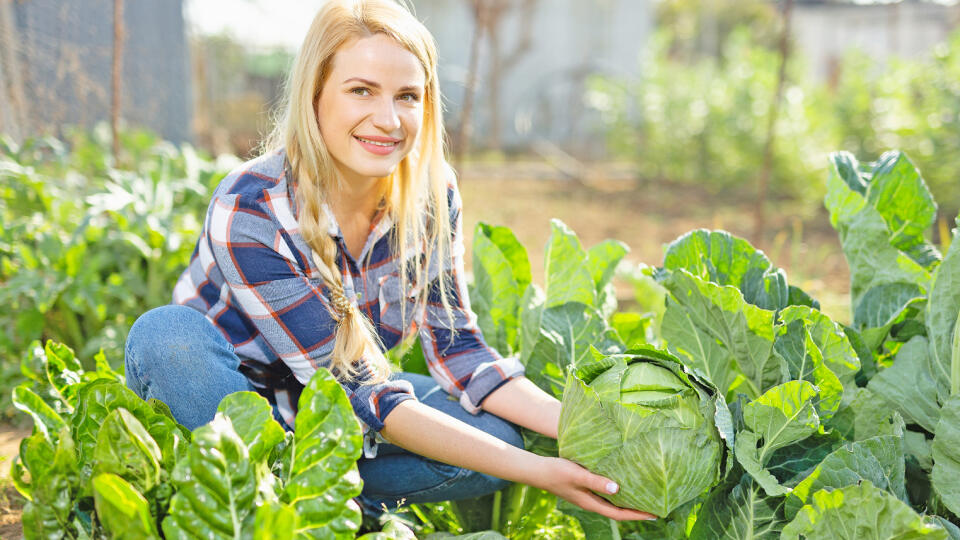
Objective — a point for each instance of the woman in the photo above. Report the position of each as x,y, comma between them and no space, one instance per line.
343,238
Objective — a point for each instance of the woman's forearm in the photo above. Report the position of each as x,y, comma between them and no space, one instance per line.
525,404
426,431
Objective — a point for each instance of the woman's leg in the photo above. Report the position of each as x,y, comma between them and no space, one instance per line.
174,354
397,475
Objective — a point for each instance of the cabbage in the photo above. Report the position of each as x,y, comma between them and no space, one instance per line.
643,422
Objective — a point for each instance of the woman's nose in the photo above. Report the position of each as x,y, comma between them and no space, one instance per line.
385,117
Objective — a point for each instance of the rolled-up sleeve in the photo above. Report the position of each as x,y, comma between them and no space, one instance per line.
457,355
289,309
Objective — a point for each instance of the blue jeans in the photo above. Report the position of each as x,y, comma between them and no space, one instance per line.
174,354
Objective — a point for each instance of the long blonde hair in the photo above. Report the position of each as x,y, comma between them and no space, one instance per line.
416,189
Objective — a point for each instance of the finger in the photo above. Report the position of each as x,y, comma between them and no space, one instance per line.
601,484
594,503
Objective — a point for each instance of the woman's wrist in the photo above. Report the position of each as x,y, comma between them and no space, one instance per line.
522,402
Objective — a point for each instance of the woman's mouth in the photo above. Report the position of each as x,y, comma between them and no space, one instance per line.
380,146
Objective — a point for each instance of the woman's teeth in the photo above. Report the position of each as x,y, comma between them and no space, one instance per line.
368,141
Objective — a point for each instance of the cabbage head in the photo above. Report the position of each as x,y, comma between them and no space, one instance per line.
642,421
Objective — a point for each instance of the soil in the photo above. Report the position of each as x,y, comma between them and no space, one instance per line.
11,502
648,215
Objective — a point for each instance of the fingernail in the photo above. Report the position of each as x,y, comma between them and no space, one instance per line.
612,487
650,519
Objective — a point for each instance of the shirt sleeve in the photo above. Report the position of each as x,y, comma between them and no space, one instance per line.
288,308
457,355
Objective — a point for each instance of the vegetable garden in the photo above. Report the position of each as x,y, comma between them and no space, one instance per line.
735,410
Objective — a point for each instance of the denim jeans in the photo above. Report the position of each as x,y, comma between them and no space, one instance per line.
174,354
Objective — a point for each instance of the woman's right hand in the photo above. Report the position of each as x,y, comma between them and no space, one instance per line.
576,484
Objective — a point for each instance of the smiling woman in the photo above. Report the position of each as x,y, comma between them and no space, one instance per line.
337,243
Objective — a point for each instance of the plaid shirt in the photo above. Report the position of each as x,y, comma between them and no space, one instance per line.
253,276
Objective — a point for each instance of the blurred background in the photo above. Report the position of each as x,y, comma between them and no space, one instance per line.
630,119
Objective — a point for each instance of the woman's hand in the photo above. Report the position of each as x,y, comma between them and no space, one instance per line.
571,482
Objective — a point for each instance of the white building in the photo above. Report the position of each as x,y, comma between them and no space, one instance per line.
542,95
826,30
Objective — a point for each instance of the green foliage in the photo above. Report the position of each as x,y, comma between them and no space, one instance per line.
113,465
700,110
90,243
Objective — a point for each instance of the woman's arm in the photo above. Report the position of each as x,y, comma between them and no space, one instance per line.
431,433
525,404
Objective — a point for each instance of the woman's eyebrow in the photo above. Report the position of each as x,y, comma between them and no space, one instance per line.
372,84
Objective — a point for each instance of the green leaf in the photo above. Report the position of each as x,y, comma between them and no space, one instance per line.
124,448
569,277
567,332
275,521
806,362
104,370
946,455
867,415
857,512
531,311
323,478
45,419
395,530
252,418
501,272
901,197
882,306
745,330
97,399
721,258
215,486
507,243
633,328
878,460
55,485
866,239
123,511
739,511
908,387
941,317
696,348
834,345
602,260
783,415
594,525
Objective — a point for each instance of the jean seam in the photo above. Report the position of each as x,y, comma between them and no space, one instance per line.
137,372
426,491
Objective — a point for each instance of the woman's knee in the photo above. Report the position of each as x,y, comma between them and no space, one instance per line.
164,336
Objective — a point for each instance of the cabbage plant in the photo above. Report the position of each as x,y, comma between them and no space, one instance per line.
642,421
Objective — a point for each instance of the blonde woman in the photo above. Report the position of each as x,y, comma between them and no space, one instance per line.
343,238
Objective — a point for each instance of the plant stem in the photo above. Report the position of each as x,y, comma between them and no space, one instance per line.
955,360
495,517
72,325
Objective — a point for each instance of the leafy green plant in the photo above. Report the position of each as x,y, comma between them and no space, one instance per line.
641,407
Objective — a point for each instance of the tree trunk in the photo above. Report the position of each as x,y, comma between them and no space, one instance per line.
765,172
461,142
119,34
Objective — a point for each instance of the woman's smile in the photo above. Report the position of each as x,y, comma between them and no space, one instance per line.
380,146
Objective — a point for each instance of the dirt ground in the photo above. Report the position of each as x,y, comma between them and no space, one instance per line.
11,503
645,216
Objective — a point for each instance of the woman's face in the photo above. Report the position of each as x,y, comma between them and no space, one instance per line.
371,107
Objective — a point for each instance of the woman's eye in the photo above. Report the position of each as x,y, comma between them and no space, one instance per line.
360,91
410,97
